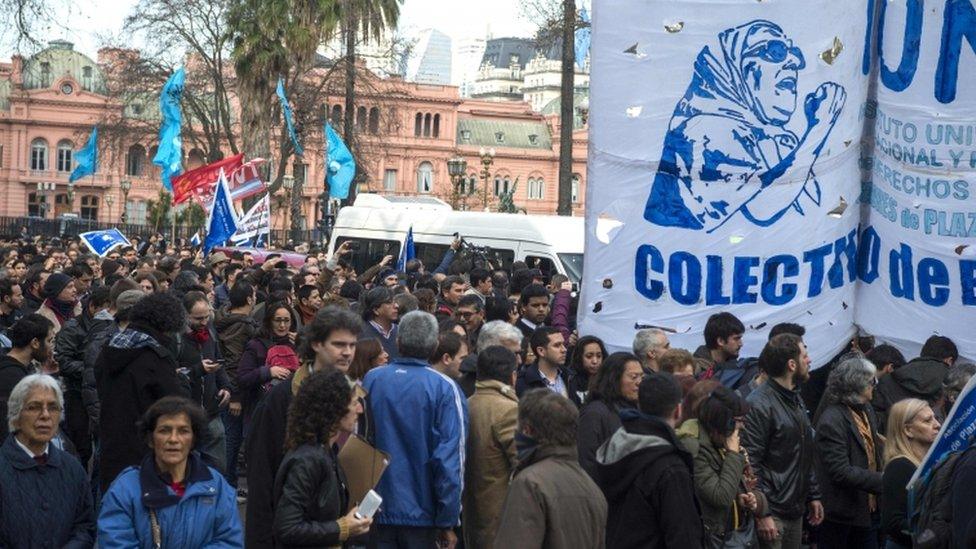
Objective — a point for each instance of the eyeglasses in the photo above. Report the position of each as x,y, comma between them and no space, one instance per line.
38,407
281,320
465,314
635,377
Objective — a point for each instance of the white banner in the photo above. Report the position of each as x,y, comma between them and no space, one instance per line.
918,247
723,160
256,222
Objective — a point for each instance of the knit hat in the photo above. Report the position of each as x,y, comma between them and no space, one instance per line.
386,273
56,282
216,259
127,299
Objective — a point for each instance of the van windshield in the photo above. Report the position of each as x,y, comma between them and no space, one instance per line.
573,263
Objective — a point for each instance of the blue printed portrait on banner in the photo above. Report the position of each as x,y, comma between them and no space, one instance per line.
730,140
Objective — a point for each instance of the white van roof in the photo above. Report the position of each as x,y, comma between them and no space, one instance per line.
432,216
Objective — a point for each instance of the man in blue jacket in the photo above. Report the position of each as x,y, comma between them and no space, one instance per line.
421,420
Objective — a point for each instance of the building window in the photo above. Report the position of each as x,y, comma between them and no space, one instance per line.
361,119
468,184
466,135
89,207
61,204
86,78
425,177
38,159
336,115
1,156
45,74
533,139
427,125
135,212
134,160
537,189
502,185
437,125
36,204
374,120
418,125
499,137
64,156
574,193
389,180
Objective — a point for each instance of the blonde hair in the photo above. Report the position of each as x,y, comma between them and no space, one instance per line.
897,443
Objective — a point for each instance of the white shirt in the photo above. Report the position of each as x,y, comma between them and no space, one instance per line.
28,451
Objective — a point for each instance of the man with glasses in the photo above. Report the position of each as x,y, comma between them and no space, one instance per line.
470,313
199,352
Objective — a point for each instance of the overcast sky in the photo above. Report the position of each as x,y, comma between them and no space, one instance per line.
88,21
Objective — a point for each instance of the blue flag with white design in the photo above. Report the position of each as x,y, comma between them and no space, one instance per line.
341,167
86,160
582,39
407,252
103,242
170,152
195,239
289,120
222,222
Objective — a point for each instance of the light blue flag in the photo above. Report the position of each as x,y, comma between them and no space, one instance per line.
195,239
582,39
286,112
341,167
407,252
170,152
86,160
102,242
222,223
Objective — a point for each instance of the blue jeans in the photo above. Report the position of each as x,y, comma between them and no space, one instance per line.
234,432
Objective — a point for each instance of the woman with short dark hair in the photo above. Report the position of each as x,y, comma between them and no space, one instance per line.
173,499
728,501
278,328
369,355
310,496
612,389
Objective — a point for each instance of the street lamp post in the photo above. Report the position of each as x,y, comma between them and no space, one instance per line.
487,159
456,167
71,197
126,186
287,183
109,200
42,189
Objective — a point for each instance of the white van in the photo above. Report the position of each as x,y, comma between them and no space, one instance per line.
380,224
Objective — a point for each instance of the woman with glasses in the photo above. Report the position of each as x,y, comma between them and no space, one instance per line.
45,500
278,332
612,389
912,428
849,457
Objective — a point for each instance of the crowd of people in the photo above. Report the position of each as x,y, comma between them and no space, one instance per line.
160,397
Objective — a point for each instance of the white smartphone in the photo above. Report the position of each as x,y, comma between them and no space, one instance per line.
369,506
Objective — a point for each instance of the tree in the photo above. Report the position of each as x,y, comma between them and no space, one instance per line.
23,22
191,215
566,96
368,19
158,210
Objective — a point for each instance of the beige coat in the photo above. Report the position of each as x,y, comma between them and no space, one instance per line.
48,313
493,413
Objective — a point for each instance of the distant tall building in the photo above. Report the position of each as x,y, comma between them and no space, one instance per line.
430,60
384,57
466,62
500,76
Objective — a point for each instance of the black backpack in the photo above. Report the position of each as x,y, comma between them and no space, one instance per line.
932,516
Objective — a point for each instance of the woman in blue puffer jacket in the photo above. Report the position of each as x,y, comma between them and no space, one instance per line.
173,499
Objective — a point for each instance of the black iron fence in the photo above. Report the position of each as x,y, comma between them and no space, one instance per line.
12,227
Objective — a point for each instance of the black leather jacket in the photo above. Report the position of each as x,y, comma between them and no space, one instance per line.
842,465
309,497
780,442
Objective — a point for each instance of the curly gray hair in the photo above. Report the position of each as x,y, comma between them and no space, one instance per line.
849,380
20,392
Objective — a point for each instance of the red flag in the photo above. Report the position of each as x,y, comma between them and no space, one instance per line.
186,185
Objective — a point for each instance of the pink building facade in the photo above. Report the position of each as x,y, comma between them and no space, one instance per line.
407,132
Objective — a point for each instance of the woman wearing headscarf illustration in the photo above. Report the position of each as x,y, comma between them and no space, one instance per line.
728,141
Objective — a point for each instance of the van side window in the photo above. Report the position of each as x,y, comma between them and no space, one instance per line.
430,254
370,252
544,264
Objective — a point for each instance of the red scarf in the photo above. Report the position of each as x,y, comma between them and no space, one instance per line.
201,335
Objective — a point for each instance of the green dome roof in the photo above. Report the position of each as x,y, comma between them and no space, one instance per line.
58,60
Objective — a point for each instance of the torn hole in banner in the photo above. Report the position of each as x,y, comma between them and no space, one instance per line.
830,55
965,250
608,283
635,51
635,111
674,26
736,239
759,326
598,306
838,210
607,227
670,330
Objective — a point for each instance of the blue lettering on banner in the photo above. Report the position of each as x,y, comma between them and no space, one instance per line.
958,24
775,280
